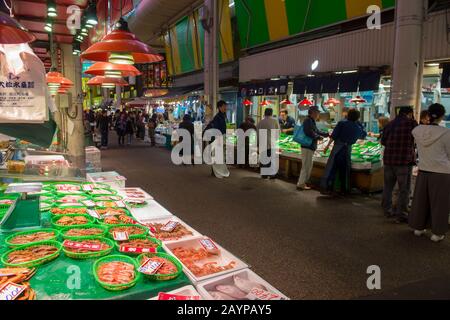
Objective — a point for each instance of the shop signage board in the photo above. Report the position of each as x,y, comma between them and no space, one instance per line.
269,88
23,87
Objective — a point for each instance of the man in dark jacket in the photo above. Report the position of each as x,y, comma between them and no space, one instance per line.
103,125
310,130
399,159
220,120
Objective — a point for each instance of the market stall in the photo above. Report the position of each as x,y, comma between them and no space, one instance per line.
89,240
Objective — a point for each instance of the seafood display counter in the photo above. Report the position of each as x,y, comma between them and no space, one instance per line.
87,240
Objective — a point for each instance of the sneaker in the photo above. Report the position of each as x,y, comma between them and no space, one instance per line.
419,233
303,188
436,238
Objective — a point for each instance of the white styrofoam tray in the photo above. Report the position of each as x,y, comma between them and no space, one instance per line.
150,212
195,233
184,291
225,258
210,285
121,192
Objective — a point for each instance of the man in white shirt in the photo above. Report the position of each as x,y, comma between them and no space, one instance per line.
268,128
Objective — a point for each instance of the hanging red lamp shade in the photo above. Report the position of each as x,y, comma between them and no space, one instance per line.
12,32
247,103
306,102
121,47
286,102
155,93
56,81
265,103
112,70
332,102
358,100
107,82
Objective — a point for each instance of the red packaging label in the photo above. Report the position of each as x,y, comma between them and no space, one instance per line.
10,291
175,297
84,246
127,249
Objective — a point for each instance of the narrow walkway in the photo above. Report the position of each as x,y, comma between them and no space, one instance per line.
307,246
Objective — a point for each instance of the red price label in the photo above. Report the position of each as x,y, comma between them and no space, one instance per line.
120,236
82,246
10,291
128,249
175,297
260,294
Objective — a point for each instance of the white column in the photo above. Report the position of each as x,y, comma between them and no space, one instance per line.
212,55
408,56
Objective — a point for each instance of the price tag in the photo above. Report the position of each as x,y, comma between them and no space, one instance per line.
150,267
175,297
10,291
170,226
210,246
88,203
120,236
94,214
85,246
121,204
88,187
127,249
260,294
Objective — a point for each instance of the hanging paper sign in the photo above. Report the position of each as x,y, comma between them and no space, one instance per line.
82,246
170,226
10,291
175,297
120,236
23,87
260,294
128,249
150,267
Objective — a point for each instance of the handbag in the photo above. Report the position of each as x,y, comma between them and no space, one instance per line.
300,136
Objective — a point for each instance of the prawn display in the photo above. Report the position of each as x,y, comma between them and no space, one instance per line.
72,221
84,232
111,212
129,229
16,275
32,237
139,243
64,211
178,233
192,258
31,254
116,273
103,246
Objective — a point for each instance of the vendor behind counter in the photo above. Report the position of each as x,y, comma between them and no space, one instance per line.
287,123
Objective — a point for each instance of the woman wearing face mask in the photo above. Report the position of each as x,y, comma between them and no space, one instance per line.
431,204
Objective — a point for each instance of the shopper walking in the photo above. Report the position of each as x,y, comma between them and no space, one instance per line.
431,203
121,126
219,122
103,126
248,124
129,130
311,131
152,123
399,159
268,126
187,125
344,136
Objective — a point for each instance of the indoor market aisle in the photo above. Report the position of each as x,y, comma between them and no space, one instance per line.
307,246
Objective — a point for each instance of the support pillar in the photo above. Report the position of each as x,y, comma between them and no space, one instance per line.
408,56
212,54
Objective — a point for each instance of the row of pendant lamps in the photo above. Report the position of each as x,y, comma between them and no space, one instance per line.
307,103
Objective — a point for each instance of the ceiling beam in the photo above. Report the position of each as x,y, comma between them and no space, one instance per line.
39,19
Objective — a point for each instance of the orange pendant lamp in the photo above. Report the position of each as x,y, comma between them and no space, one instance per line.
111,70
306,102
56,81
105,82
121,47
155,93
247,103
286,102
332,102
265,103
358,100
12,32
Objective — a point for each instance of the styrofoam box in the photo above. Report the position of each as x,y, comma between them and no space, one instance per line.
111,178
121,192
225,258
210,285
184,291
195,234
152,211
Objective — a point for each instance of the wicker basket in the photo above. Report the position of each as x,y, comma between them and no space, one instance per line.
116,258
11,237
87,226
155,241
56,218
92,254
161,277
34,263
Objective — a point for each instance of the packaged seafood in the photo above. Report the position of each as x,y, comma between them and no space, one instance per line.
182,231
83,231
134,194
31,255
111,211
64,211
71,199
66,188
31,236
184,293
168,267
71,220
116,273
239,285
199,263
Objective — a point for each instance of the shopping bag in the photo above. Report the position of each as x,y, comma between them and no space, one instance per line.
300,136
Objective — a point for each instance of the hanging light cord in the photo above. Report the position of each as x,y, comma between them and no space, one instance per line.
9,8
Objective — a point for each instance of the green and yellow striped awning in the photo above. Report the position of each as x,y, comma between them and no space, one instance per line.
263,21
184,42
